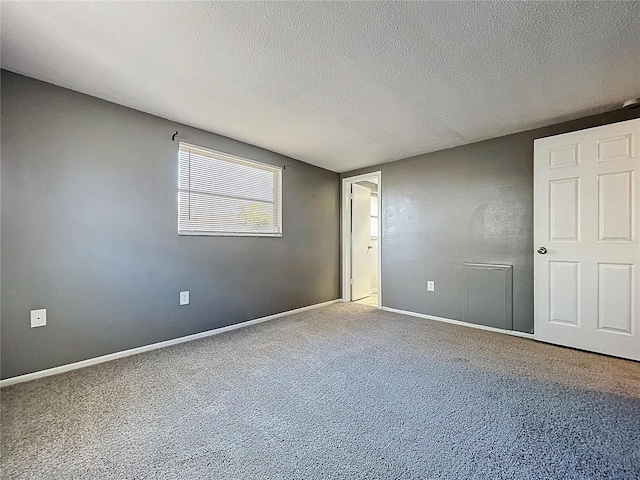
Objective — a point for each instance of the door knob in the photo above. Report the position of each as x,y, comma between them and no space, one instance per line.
542,250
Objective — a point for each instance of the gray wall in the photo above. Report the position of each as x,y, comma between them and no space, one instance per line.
467,204
89,232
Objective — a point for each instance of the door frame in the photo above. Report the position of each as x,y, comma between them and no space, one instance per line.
345,233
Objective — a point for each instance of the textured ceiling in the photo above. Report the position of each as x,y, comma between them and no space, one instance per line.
339,85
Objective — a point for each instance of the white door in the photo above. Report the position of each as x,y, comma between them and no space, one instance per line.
586,218
373,258
360,242
373,254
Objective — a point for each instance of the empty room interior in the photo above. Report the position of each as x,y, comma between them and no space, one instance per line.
320,240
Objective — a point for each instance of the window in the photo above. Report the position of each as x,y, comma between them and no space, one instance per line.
374,215
220,194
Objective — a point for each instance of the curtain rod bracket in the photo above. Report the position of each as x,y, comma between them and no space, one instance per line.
173,137
284,167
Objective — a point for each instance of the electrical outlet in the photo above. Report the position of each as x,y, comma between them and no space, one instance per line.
38,318
431,286
184,298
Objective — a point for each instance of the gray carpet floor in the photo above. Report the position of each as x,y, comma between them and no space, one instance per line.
345,391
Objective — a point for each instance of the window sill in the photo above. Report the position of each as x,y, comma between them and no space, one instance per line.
227,234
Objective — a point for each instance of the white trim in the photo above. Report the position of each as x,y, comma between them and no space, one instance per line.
345,240
154,346
462,324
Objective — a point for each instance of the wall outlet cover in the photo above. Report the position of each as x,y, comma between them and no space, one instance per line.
431,286
38,318
184,298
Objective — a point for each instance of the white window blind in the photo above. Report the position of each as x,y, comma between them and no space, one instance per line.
220,194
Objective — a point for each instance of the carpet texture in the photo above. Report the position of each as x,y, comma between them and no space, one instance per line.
345,391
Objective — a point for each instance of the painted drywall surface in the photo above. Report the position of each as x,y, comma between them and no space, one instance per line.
89,232
467,204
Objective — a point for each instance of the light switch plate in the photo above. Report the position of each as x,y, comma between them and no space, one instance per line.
184,298
38,318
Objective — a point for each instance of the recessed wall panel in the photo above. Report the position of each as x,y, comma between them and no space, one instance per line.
615,297
564,215
489,295
615,207
615,148
564,293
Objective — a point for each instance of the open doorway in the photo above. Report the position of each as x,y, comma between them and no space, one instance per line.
361,239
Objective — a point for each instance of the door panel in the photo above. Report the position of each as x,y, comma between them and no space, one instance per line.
564,217
360,242
615,202
615,297
586,209
563,156
564,293
373,258
615,148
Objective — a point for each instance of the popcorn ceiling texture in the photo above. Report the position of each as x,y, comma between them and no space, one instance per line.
338,85
345,391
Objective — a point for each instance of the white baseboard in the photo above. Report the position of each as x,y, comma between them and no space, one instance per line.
154,346
458,322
